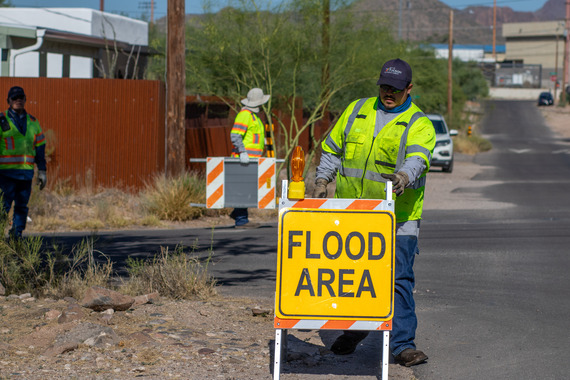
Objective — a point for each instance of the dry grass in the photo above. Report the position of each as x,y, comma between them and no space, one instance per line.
60,207
169,198
471,144
176,275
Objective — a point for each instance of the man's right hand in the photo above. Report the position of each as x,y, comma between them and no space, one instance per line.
244,158
320,190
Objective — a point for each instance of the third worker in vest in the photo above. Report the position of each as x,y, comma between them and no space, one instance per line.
22,145
380,139
248,139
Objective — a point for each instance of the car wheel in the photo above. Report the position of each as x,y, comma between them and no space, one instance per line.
448,168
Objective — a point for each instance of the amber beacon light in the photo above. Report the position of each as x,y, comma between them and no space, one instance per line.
297,185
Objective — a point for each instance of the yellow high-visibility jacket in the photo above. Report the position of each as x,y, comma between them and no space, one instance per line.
364,157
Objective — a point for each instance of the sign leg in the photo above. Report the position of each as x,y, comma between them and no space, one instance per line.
277,355
385,352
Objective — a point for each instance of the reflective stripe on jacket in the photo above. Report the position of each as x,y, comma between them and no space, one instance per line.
18,151
365,156
249,126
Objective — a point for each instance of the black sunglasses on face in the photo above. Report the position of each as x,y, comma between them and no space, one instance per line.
18,97
391,89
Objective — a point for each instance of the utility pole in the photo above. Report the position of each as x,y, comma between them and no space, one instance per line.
566,52
400,22
494,29
325,41
175,89
556,67
102,5
450,69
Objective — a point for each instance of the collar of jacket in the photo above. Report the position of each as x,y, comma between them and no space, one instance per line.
401,108
252,109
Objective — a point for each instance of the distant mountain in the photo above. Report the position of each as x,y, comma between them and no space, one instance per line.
428,20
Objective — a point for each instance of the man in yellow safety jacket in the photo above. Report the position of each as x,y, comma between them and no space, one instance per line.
380,139
248,139
22,145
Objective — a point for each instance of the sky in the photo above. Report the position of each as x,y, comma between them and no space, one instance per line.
140,8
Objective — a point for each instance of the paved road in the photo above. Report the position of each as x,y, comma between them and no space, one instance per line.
492,291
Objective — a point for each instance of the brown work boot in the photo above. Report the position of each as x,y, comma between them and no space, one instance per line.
347,342
410,357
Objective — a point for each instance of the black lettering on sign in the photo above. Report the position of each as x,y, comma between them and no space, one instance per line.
366,288
371,255
308,253
308,286
338,238
293,243
342,282
349,253
327,283
326,279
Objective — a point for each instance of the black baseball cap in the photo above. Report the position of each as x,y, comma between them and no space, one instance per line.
15,91
396,73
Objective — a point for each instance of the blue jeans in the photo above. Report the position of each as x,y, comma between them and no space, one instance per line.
405,322
17,191
240,215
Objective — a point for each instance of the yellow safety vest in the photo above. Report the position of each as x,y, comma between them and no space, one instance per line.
248,125
18,151
364,157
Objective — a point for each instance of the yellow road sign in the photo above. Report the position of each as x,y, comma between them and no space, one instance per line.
335,264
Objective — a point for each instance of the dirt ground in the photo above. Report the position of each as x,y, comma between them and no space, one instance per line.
223,338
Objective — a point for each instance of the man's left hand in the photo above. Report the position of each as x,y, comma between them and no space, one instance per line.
42,179
399,181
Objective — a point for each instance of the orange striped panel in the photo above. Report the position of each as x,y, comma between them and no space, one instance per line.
337,325
309,203
284,323
268,198
265,177
215,173
215,196
360,204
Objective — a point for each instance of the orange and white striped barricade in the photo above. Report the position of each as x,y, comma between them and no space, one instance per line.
335,265
232,184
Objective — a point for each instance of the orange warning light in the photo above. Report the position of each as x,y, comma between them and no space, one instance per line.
297,164
297,186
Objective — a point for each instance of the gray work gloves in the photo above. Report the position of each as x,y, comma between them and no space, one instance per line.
320,190
399,181
42,179
243,158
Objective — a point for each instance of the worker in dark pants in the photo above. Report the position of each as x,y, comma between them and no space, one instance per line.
22,145
247,136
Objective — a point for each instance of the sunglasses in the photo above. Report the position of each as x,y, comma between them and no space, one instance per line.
391,89
18,97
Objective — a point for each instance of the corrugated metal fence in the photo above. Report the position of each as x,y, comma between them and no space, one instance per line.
100,132
111,132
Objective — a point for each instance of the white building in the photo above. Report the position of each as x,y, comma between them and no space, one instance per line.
466,53
70,42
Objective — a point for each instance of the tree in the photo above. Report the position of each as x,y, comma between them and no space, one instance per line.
280,51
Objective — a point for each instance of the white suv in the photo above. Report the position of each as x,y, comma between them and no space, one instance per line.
443,151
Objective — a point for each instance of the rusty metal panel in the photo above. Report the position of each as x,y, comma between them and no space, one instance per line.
103,132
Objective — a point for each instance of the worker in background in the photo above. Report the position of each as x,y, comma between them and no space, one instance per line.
22,145
380,139
248,139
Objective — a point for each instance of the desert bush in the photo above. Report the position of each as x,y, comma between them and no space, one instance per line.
177,275
169,198
82,271
471,144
